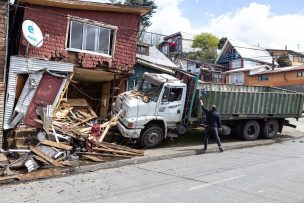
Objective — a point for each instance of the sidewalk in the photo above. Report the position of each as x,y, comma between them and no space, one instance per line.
191,149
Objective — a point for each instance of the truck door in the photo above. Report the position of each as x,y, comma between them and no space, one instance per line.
171,104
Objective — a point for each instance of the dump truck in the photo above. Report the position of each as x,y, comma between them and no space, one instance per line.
164,105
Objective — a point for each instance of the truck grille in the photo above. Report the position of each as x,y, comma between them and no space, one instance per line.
120,103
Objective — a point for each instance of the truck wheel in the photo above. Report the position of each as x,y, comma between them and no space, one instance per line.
251,130
270,129
181,129
152,136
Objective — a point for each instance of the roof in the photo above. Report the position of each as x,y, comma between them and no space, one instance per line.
248,51
286,50
156,59
279,70
254,68
87,5
187,40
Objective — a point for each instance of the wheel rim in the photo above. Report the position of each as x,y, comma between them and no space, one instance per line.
270,129
251,130
152,137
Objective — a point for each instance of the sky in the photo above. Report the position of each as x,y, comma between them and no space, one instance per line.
268,23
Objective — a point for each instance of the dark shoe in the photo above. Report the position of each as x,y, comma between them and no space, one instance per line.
221,149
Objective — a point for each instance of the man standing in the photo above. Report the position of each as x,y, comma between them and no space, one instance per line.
213,124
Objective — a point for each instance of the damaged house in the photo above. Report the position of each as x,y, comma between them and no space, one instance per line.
85,57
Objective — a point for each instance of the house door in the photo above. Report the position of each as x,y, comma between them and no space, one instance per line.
45,94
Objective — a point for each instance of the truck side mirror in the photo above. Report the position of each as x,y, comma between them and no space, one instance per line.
171,97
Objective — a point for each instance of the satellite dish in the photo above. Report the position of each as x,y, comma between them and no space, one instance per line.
32,33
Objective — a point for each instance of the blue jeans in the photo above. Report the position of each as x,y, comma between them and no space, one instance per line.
213,132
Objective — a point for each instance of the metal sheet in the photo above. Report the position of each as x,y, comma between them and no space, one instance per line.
235,102
22,65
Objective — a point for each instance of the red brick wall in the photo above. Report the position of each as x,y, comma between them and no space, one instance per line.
56,26
3,33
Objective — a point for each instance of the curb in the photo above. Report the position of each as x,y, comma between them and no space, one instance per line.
144,159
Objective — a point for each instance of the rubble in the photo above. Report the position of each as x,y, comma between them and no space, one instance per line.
72,133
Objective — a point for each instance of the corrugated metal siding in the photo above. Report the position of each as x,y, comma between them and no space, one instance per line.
2,92
21,65
245,101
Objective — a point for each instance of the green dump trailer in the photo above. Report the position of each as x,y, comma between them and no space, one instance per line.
247,111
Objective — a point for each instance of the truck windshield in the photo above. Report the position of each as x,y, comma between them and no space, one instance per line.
149,89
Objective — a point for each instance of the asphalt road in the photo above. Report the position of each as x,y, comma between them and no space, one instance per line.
272,173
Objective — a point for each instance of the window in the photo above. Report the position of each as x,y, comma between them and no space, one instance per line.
177,92
165,50
263,78
236,64
141,49
92,38
300,59
300,74
291,57
236,78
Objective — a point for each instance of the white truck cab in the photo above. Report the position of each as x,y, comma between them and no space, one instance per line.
156,106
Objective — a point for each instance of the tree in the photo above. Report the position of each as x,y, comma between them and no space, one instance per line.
222,42
145,21
207,43
284,61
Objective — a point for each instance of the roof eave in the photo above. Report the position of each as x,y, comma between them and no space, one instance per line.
85,5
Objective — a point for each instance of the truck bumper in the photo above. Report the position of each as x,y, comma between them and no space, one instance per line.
129,133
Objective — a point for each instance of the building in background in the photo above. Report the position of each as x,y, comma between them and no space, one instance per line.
296,58
149,59
291,78
237,55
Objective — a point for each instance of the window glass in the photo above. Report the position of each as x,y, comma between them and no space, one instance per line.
76,35
91,38
104,40
90,42
300,74
178,92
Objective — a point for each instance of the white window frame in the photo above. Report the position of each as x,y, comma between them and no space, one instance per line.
236,63
86,22
233,78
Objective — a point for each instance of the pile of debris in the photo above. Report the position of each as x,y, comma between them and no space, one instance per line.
73,132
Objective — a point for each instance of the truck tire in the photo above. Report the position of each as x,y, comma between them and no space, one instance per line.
251,130
152,136
270,129
181,129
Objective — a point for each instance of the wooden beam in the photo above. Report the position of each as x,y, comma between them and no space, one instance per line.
93,158
56,145
45,157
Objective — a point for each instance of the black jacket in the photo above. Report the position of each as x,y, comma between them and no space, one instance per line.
212,117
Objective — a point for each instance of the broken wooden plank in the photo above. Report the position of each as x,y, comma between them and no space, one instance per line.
3,158
64,90
45,157
38,158
113,119
93,158
103,154
44,173
115,151
120,147
56,145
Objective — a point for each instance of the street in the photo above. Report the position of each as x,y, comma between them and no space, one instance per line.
273,173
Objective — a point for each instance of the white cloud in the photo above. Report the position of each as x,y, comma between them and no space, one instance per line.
256,24
168,18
